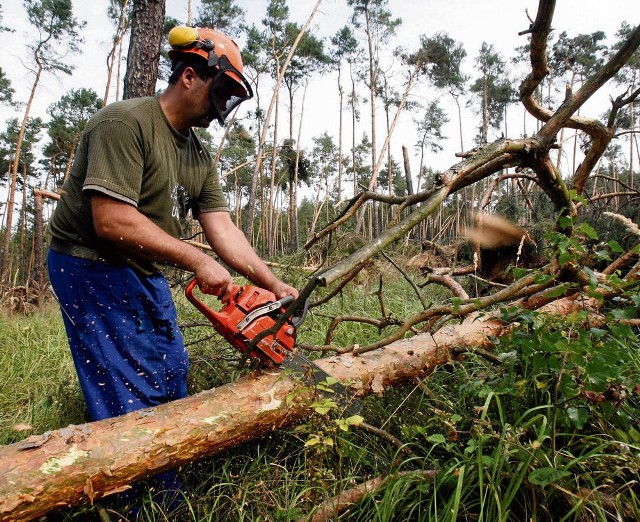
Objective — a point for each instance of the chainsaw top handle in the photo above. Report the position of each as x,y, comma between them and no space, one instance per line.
202,307
235,289
300,314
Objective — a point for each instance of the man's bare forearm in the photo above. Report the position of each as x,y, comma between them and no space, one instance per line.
127,229
229,242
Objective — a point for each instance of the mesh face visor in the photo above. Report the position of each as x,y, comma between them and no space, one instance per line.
229,89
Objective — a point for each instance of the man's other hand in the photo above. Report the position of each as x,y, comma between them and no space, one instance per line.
281,289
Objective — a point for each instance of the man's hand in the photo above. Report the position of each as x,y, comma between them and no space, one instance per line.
214,279
233,248
281,289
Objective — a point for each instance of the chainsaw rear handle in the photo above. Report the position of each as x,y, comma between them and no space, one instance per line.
204,309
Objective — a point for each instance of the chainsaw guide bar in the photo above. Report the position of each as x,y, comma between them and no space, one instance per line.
305,367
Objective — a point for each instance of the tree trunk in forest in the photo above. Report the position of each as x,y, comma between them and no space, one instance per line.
385,146
119,69
23,264
456,98
407,170
373,75
263,138
353,98
293,204
81,463
144,48
340,132
72,156
38,233
117,41
485,110
632,126
373,84
5,253
270,229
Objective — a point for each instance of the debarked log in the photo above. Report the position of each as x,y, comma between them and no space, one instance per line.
78,464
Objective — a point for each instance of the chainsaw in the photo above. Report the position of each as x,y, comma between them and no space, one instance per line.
249,312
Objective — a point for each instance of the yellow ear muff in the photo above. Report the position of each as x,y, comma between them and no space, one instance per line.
183,36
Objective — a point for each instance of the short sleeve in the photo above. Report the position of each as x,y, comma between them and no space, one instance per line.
211,198
115,161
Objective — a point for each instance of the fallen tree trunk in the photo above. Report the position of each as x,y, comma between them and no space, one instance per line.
80,463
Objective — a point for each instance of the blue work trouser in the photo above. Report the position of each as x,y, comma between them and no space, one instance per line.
122,328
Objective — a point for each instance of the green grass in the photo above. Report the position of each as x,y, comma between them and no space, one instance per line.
520,440
38,384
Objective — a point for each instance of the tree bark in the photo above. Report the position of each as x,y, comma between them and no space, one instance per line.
77,464
144,48
407,170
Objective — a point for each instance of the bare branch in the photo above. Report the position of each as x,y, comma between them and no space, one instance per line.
333,507
455,271
380,324
564,115
345,281
453,310
593,83
450,283
486,198
386,436
539,31
616,180
385,239
621,102
622,261
407,279
609,195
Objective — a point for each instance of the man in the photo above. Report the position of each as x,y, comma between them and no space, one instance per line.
138,169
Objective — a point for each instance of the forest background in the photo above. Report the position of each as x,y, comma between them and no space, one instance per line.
329,139
524,414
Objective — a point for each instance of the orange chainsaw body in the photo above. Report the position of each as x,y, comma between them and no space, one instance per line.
250,311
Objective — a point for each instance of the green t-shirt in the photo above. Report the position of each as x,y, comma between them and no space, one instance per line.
131,152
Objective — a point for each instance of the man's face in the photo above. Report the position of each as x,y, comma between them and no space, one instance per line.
212,98
199,105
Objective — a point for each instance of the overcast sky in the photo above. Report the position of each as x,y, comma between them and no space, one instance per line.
468,21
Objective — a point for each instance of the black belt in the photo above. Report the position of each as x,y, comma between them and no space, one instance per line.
83,252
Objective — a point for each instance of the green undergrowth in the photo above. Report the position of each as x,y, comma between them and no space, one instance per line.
39,389
547,431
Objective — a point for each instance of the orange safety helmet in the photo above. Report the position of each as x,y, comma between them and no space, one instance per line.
221,53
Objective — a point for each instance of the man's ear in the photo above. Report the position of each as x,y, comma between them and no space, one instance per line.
188,76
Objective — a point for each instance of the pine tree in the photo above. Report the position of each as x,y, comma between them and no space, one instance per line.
55,35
